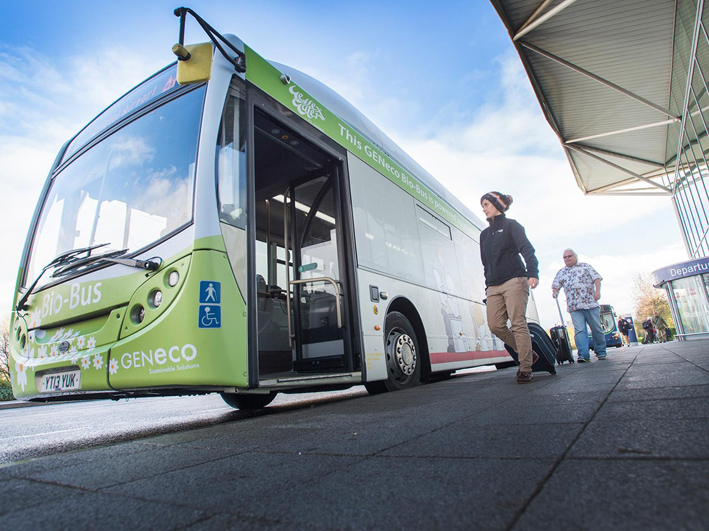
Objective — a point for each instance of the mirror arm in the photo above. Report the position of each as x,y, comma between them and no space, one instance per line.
239,61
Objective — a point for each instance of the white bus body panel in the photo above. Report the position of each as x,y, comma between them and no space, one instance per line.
406,251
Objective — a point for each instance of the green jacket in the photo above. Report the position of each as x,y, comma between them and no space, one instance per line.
659,323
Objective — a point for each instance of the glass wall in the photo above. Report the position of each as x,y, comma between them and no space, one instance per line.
689,139
692,302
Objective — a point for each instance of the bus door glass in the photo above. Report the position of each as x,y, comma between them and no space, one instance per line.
316,286
300,292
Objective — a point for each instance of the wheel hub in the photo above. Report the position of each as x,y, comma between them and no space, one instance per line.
405,354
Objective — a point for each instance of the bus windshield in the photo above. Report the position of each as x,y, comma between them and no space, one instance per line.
608,322
129,190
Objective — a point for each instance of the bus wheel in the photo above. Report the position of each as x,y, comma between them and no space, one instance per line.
247,401
402,353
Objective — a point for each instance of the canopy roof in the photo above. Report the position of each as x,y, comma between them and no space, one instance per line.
611,78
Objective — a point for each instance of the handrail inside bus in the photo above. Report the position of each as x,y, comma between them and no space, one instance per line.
285,245
337,293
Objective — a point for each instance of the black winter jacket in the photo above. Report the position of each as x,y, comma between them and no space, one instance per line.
500,247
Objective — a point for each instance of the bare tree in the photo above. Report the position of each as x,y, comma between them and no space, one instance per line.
5,377
648,300
5,352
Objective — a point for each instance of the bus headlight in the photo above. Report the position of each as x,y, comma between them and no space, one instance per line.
155,298
173,278
137,314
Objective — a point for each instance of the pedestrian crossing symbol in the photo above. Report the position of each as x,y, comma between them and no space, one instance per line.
210,292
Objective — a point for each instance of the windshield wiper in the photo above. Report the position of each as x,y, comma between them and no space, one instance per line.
113,256
73,265
61,259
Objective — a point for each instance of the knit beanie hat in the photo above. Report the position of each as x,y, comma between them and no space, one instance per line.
500,201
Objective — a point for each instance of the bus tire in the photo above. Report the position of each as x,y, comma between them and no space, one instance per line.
403,357
248,401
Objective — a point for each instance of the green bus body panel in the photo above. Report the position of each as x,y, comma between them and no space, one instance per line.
267,77
174,350
99,343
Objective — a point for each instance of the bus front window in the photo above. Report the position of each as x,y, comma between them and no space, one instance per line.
129,190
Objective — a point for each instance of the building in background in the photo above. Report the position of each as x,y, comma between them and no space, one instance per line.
687,287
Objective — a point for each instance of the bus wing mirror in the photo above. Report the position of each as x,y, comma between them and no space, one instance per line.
194,62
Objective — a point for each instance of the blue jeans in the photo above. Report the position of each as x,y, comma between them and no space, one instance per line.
593,318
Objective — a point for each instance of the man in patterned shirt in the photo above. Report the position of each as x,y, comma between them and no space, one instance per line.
582,285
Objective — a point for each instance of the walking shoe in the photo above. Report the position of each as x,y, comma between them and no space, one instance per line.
583,360
524,377
602,357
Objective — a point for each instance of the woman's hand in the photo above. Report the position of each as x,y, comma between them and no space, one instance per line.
533,282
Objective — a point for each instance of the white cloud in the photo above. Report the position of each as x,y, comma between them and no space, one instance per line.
43,103
511,148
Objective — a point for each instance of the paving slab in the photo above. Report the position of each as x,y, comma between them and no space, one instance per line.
614,444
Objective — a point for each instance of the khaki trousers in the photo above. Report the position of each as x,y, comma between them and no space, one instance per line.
509,301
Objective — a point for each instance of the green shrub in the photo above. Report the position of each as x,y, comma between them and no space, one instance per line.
6,392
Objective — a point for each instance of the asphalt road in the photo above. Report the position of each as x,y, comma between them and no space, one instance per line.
45,429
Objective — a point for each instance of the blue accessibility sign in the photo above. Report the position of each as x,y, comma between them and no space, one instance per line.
210,316
210,292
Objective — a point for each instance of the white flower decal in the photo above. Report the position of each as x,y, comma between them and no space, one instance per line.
35,320
81,342
21,372
113,366
57,335
85,363
73,354
42,352
91,343
98,362
54,351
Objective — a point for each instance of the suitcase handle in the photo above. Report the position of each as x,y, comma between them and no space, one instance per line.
559,308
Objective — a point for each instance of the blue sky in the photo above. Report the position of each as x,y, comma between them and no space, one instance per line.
440,78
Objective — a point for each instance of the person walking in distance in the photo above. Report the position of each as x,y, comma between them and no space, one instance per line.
661,326
623,328
508,279
582,286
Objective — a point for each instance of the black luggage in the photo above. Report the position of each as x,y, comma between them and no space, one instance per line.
560,338
561,344
542,345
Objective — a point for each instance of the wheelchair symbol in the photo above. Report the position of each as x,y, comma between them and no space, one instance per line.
209,317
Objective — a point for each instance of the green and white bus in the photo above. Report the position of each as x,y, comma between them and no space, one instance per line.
232,225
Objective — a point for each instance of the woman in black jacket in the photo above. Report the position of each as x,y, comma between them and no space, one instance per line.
508,279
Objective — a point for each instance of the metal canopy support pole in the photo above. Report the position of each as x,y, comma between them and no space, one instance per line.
617,167
686,223
691,192
704,158
531,23
686,197
690,76
599,79
621,156
620,131
684,230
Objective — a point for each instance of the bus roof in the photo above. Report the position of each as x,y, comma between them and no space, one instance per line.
346,111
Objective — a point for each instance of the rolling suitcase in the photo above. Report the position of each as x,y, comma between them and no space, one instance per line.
542,345
560,338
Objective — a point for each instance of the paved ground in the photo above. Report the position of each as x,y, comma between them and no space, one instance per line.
615,444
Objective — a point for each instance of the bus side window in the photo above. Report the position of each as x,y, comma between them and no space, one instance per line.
231,162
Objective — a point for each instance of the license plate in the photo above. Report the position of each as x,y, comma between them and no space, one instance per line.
61,381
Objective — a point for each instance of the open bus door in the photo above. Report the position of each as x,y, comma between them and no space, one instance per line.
303,280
